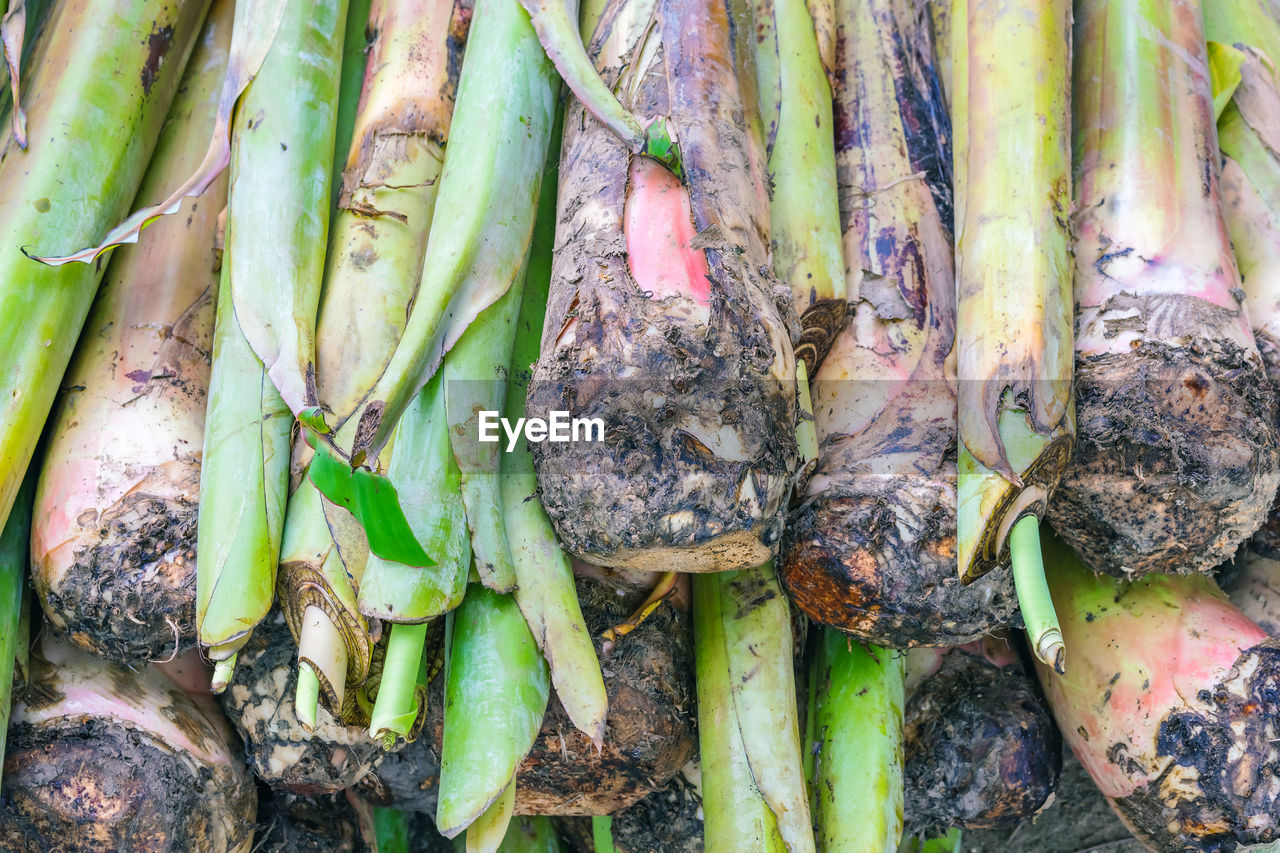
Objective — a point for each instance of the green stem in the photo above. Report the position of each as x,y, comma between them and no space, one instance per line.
13,564
397,705
391,828
223,671
306,701
1038,614
602,833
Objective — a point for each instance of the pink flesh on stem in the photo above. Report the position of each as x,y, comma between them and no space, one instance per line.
658,226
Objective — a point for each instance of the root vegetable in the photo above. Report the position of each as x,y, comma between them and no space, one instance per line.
259,701
1177,456
113,546
982,750
871,550
679,345
104,758
1170,702
125,58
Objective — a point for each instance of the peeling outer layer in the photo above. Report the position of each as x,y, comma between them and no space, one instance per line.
982,751
667,821
650,735
259,703
1177,459
104,758
113,547
1170,701
871,548
695,390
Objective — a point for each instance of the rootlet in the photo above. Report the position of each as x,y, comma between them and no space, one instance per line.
557,428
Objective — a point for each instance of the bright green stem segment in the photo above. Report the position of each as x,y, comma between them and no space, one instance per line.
243,487
306,701
795,98
544,574
488,832
397,705
949,843
496,690
62,193
602,833
858,750
391,828
735,815
13,564
1038,614
426,475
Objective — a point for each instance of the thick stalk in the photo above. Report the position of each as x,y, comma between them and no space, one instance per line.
871,547
488,194
281,165
114,547
242,496
657,288
399,703
388,194
13,602
545,588
496,690
75,190
1170,703
858,745
355,54
487,833
1011,116
1177,434
735,814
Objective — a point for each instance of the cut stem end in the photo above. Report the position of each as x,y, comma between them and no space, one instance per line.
1038,614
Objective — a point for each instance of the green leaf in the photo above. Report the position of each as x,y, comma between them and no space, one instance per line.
659,145
1224,74
372,499
313,419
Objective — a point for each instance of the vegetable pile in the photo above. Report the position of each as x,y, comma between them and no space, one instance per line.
638,425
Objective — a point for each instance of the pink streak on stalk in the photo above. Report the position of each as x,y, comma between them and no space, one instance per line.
659,228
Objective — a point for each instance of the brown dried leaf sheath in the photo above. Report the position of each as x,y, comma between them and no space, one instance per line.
699,446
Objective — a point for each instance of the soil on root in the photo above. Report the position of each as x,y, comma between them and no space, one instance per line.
1218,791
982,751
95,785
259,703
881,564
1176,457
292,823
129,596
666,821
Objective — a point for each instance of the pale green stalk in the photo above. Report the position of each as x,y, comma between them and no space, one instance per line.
545,589
487,198
496,691
69,187
735,815
858,749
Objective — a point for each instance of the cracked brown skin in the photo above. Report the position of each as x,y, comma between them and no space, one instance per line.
259,703
1176,458
1208,799
660,493
982,751
666,821
650,734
